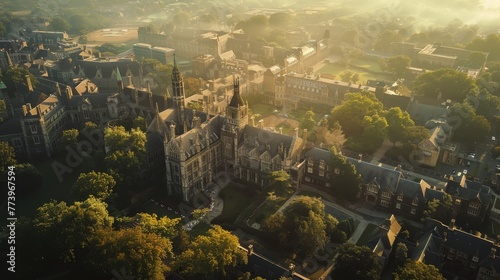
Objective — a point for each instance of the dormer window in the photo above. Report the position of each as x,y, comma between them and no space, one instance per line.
415,201
475,259
400,197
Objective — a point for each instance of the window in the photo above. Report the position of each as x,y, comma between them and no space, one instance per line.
309,170
86,114
36,139
413,211
16,143
462,254
337,171
322,173
415,201
328,184
474,205
400,197
308,179
33,128
386,194
398,205
475,259
472,211
384,203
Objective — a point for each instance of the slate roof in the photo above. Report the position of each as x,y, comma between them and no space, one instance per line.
207,130
11,126
264,140
318,154
260,266
382,176
383,237
413,189
421,113
427,249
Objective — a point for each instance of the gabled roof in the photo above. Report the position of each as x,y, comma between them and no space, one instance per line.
263,140
382,176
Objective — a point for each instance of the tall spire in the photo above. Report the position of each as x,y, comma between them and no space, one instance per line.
236,100
118,75
177,87
119,80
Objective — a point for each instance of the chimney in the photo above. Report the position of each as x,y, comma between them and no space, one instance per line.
172,131
28,107
452,224
25,110
250,249
130,81
281,130
304,134
28,83
290,268
261,124
196,121
69,93
253,121
360,158
296,133
38,111
149,87
493,252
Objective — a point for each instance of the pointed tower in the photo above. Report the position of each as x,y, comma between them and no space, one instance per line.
177,87
237,109
234,122
119,80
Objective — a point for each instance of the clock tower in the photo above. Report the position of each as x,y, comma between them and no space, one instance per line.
235,121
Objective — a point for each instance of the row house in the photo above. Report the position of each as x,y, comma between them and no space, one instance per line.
456,253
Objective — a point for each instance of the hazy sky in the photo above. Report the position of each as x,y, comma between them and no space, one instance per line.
491,3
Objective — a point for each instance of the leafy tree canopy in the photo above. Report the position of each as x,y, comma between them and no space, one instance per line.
97,184
356,262
445,84
413,270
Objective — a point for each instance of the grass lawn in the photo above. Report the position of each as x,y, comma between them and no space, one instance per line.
51,188
236,199
263,109
364,238
335,69
267,208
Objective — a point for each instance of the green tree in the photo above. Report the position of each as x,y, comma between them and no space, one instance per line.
398,64
356,262
398,124
209,255
385,39
308,121
108,48
7,156
415,134
351,113
97,184
401,254
123,166
343,177
375,131
280,19
490,44
415,270
191,86
139,123
199,213
476,59
143,255
327,137
430,208
18,75
254,27
3,108
59,24
444,83
280,182
69,138
66,230
118,139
